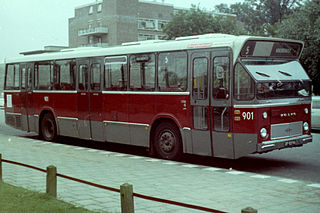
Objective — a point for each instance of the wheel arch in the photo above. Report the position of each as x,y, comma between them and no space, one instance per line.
43,112
156,122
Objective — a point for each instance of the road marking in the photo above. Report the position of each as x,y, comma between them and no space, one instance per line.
260,176
93,150
170,163
136,157
153,160
211,169
284,180
107,152
120,155
235,172
315,185
79,148
190,166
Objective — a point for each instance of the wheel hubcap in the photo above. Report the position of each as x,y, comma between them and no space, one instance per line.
48,129
167,141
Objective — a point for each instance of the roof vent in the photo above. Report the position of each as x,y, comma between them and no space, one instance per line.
142,42
209,35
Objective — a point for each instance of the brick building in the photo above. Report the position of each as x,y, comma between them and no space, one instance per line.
112,22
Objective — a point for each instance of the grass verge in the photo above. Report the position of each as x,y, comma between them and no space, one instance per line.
16,199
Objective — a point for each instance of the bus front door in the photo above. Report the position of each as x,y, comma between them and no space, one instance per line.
222,138
201,134
210,100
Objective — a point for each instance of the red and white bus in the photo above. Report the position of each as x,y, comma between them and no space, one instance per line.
213,95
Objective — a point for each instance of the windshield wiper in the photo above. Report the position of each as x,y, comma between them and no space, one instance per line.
285,73
263,74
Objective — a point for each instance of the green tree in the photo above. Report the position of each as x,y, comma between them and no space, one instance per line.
196,21
259,16
304,25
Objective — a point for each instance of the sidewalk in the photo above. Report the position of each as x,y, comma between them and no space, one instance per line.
221,189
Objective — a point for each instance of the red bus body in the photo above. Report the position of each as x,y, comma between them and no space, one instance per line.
199,120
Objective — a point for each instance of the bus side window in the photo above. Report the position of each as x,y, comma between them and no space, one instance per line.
244,85
29,81
221,77
142,72
23,78
115,74
83,77
172,71
44,75
12,77
95,77
65,75
200,78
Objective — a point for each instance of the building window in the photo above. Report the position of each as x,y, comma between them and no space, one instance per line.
90,10
161,25
99,8
143,37
146,24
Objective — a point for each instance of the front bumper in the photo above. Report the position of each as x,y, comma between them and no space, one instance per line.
267,146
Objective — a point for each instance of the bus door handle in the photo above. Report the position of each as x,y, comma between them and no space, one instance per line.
83,93
96,94
29,93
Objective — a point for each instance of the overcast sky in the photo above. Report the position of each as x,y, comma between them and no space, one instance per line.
27,25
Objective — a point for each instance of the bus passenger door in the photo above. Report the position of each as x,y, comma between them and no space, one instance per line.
84,127
96,99
28,120
201,134
222,138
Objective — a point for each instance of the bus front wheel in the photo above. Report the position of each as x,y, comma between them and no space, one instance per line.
167,141
48,127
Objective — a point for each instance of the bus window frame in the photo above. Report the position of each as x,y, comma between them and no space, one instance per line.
105,85
234,82
186,74
51,63
142,78
13,87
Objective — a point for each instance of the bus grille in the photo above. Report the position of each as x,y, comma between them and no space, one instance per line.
286,130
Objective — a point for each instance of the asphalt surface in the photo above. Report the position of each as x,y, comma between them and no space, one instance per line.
301,163
227,190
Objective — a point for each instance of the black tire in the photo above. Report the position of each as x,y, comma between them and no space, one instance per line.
48,127
167,141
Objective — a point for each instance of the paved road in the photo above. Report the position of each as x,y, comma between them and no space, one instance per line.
221,189
302,163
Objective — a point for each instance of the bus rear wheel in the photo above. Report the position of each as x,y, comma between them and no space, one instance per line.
167,141
48,127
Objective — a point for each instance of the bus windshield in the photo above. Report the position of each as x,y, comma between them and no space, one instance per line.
286,79
279,89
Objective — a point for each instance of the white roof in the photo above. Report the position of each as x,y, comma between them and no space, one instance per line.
181,43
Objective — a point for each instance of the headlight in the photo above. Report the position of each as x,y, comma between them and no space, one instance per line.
263,133
265,115
305,126
306,110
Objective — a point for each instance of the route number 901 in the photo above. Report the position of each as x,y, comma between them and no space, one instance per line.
247,115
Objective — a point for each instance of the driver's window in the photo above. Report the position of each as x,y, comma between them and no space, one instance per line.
221,70
244,85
